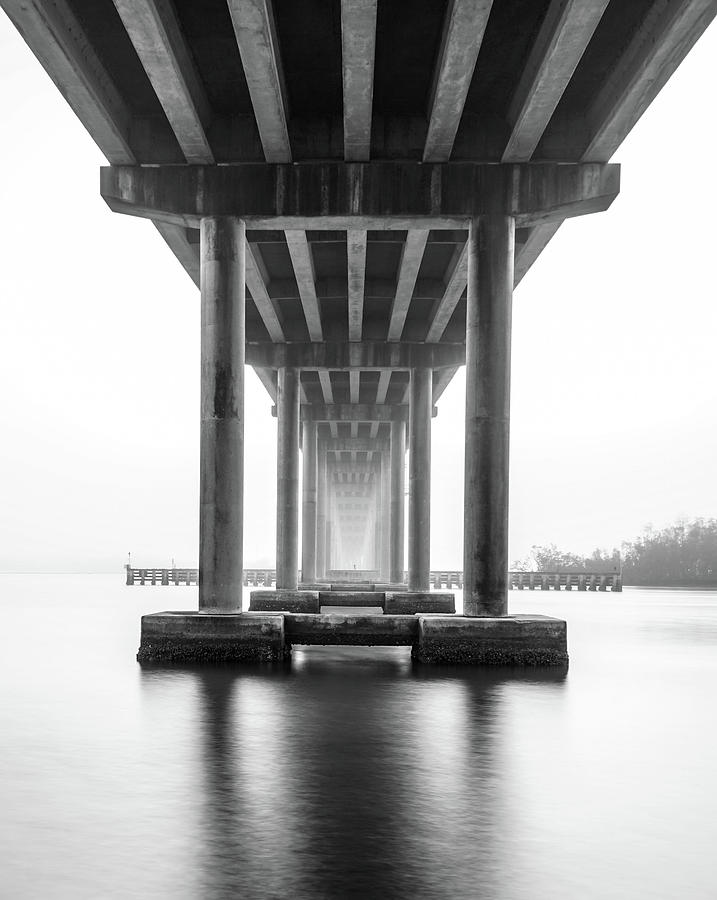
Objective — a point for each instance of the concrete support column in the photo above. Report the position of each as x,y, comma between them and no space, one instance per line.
221,464
488,332
308,509
287,484
419,480
385,560
321,508
398,481
330,518
376,522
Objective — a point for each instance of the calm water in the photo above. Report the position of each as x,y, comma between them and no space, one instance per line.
353,774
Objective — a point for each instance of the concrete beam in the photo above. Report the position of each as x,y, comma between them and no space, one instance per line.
665,37
336,288
356,252
441,379
354,386
255,281
384,380
255,32
268,379
358,47
411,257
326,389
463,30
355,412
537,241
58,40
325,381
379,195
155,33
343,355
303,263
354,445
443,309
175,237
561,41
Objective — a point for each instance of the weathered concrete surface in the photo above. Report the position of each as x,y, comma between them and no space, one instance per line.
207,638
339,355
284,601
369,195
221,490
309,501
411,602
419,480
352,598
487,433
397,489
508,640
185,637
336,629
352,586
314,586
380,586
287,481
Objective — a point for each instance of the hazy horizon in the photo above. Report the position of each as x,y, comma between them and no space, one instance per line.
614,368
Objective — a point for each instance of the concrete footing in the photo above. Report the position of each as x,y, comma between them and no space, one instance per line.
505,640
180,637
284,601
392,602
208,638
352,598
411,602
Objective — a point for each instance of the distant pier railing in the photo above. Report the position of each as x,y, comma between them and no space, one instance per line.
161,576
443,578
566,581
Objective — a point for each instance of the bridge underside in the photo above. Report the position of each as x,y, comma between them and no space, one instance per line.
357,188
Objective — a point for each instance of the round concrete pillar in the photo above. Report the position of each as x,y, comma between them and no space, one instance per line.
419,480
488,332
321,513
221,455
287,482
309,505
398,482
385,559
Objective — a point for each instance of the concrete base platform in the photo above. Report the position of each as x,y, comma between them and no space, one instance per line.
411,602
253,637
211,638
352,598
284,601
352,630
509,640
403,603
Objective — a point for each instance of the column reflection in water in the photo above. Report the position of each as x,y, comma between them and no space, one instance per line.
252,841
353,774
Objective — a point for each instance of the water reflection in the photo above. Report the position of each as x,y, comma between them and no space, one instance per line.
351,773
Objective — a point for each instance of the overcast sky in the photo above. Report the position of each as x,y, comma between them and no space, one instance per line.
614,413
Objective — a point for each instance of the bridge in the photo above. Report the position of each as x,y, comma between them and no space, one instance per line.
357,188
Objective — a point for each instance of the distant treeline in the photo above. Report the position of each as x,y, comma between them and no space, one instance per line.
683,554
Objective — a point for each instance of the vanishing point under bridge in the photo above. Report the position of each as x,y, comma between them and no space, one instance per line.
357,187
